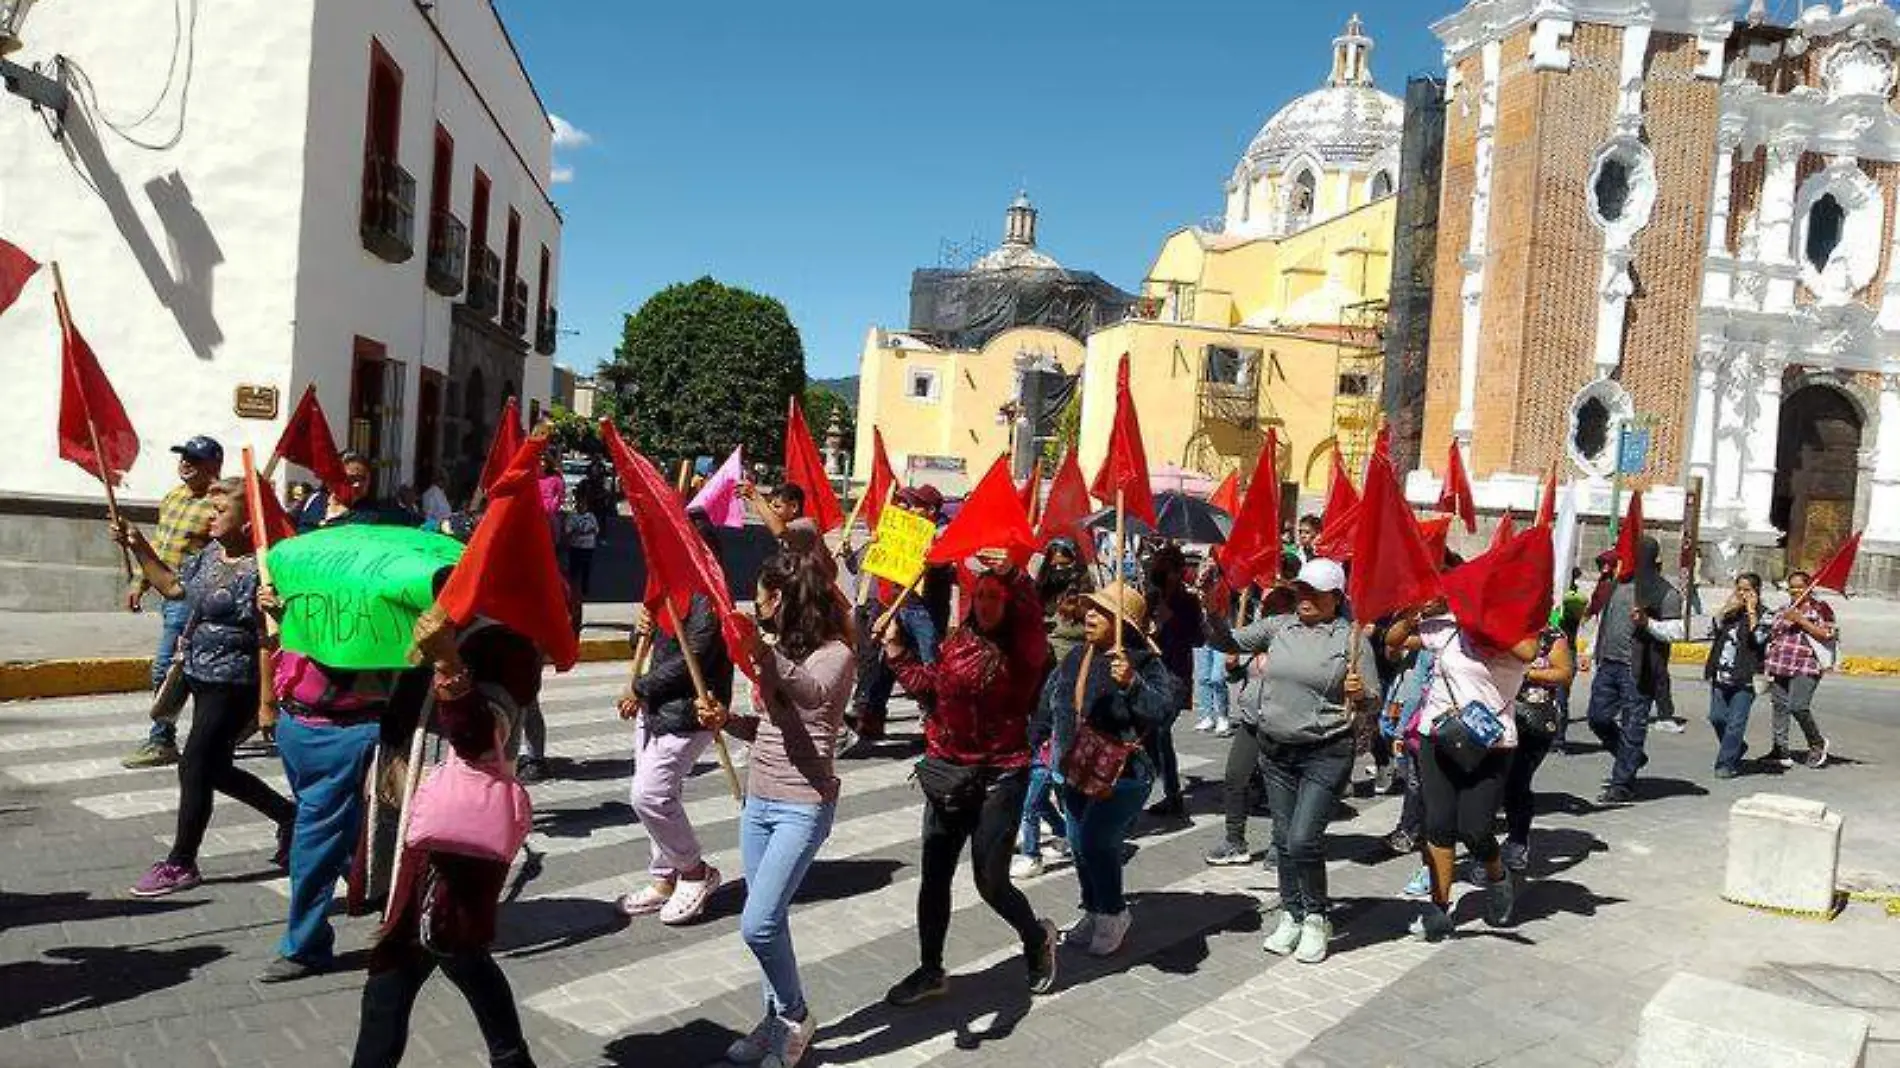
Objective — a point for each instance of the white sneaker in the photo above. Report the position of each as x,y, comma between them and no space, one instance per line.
1055,849
1110,929
1223,728
1023,867
752,1048
1203,725
1080,931
1314,934
1285,938
794,1038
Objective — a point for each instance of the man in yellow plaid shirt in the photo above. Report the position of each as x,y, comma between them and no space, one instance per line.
184,527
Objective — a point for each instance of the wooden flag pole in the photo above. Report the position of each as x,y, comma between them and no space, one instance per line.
92,431
267,655
412,776
884,621
1121,551
699,687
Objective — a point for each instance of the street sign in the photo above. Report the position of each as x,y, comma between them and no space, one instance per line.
1632,452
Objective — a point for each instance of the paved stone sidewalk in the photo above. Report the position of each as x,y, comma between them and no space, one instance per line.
1622,899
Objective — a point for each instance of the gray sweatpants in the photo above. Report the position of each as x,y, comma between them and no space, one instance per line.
1792,695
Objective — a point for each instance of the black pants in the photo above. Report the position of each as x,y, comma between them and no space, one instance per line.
580,570
1460,805
389,996
991,833
1160,746
221,714
1243,763
1533,745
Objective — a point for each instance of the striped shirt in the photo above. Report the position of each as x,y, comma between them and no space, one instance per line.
184,526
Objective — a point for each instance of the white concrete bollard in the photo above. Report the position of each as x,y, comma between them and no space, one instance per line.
1694,1022
1783,853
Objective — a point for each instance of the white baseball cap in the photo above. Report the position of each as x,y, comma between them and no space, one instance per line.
1323,575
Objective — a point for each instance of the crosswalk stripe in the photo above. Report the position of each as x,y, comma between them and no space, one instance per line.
600,1004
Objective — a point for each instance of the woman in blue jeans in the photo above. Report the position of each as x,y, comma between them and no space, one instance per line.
1315,658
1738,639
1121,689
804,684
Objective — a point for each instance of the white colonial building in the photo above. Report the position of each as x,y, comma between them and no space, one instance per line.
350,193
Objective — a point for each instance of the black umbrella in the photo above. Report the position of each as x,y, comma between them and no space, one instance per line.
1178,517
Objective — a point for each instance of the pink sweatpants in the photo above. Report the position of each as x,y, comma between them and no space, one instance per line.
661,764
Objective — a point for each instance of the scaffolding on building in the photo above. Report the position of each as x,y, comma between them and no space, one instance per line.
1231,409
1357,400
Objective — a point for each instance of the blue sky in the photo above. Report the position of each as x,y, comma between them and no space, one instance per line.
818,152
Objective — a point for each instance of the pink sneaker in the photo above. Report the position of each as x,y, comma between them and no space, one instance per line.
166,878
689,898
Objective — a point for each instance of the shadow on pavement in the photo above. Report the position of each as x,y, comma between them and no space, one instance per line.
551,924
75,978
699,1042
828,880
30,910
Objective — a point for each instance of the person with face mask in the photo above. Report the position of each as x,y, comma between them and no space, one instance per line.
974,773
1641,616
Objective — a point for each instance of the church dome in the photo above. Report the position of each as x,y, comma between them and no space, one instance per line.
1346,124
1018,249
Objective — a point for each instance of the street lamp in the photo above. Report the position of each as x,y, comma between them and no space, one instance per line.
23,82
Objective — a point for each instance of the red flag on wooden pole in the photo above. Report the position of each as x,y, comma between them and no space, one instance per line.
503,447
509,572
1391,567
877,493
1629,537
1504,531
270,524
1340,496
1436,530
1226,496
94,431
1832,575
1032,489
1253,547
1456,496
1547,505
992,517
1125,468
1504,596
307,441
1067,506
805,469
16,268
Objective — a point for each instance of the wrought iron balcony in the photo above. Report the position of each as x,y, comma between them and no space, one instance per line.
546,330
484,282
389,210
514,308
448,253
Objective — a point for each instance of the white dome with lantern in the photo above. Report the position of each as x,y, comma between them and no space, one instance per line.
1328,152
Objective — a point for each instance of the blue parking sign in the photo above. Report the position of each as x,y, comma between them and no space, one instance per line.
1632,452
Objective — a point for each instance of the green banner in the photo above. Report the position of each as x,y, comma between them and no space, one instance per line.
352,593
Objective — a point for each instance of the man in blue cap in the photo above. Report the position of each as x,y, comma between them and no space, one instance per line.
184,527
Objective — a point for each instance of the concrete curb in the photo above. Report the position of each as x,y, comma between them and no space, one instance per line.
31,679
1861,666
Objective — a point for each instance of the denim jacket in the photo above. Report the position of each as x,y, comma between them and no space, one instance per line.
1124,714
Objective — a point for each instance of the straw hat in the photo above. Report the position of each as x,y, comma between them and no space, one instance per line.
1134,607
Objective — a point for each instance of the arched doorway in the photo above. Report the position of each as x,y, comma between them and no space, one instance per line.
1817,472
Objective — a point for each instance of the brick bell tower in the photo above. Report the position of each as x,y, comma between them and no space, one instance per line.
1580,150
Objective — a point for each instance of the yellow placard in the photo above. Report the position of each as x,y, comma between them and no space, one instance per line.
897,552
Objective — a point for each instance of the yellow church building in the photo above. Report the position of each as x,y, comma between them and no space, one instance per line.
1273,318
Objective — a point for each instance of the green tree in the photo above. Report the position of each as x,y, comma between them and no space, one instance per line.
703,367
575,433
1068,430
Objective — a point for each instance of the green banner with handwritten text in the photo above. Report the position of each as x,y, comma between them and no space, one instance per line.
352,593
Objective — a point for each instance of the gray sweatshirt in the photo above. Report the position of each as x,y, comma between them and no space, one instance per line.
1301,694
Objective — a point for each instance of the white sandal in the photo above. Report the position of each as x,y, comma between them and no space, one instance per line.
645,901
690,898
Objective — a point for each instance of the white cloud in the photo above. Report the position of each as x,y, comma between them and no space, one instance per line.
568,135
561,174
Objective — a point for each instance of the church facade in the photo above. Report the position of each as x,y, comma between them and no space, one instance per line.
1656,217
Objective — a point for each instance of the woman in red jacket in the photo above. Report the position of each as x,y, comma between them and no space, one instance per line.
975,769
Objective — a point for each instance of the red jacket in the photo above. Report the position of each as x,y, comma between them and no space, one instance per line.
985,690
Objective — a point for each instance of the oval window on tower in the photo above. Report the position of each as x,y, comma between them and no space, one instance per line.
1612,190
1826,221
1593,428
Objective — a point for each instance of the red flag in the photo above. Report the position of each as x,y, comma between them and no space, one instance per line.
1340,496
883,480
1505,530
805,469
509,573
1456,496
1125,468
1226,496
1504,596
1392,568
1547,507
1067,506
307,441
1031,489
1833,574
1629,537
1339,533
992,517
16,268
1436,531
1381,446
679,563
269,523
94,431
1253,544
503,448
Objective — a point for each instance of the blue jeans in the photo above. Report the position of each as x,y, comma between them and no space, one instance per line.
1039,804
1210,683
1097,830
172,617
876,680
325,766
778,840
1728,714
1303,784
1619,717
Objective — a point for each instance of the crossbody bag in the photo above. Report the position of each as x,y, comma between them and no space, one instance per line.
1095,760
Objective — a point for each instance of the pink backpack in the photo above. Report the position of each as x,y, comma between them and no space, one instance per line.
472,809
